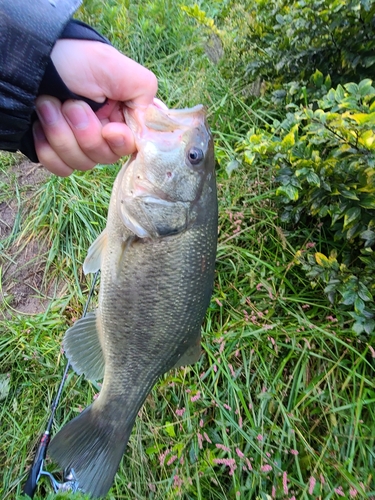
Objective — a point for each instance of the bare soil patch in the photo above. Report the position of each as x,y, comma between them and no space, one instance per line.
21,262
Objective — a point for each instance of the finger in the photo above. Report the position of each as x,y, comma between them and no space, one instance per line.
87,130
109,109
117,114
60,135
47,157
119,138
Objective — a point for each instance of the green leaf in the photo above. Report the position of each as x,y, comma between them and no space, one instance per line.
369,326
352,88
365,87
326,262
367,201
351,216
367,62
348,194
364,83
362,118
328,82
367,138
364,293
369,237
249,157
348,297
289,191
323,211
359,305
313,178
353,231
320,115
358,327
289,140
339,93
169,427
317,78
153,450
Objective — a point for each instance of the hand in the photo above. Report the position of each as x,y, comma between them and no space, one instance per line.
70,135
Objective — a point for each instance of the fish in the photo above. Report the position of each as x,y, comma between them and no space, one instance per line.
156,257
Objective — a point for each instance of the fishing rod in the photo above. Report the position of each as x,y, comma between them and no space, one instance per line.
36,470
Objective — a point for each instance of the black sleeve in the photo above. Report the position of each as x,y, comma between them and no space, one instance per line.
53,85
28,31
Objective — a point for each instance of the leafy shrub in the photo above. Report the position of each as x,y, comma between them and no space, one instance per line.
324,160
283,40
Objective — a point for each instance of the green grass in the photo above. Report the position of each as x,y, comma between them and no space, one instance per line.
281,404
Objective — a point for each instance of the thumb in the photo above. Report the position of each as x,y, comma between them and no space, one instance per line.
99,71
123,79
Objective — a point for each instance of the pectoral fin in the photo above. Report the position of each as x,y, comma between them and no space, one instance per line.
94,255
83,349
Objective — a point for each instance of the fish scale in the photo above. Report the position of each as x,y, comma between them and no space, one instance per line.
157,260
184,299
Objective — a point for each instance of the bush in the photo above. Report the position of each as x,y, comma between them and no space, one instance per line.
324,160
284,41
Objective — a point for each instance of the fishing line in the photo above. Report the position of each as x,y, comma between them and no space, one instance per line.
36,470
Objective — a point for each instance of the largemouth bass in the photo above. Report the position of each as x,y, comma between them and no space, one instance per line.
157,259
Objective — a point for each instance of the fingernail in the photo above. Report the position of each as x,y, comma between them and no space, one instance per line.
48,112
38,132
76,116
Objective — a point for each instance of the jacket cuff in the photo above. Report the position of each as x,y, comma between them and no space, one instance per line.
28,32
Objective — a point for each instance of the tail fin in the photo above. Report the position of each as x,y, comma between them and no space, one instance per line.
91,445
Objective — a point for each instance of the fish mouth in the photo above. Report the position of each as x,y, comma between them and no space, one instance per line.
171,118
159,118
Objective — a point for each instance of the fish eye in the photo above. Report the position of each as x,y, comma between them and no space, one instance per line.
195,156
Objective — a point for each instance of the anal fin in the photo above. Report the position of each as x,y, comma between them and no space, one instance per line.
191,355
